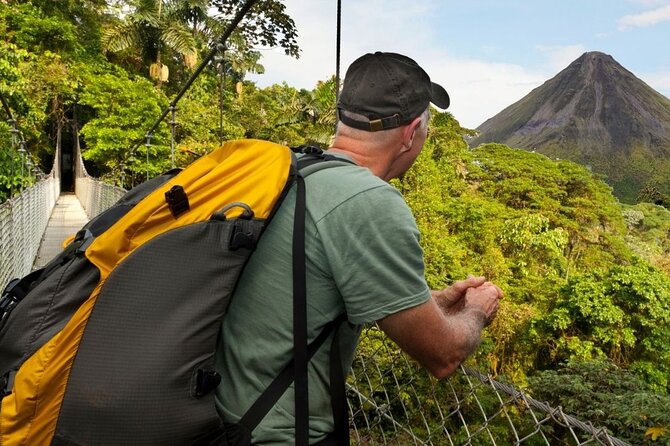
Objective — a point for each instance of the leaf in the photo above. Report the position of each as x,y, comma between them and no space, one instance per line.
656,432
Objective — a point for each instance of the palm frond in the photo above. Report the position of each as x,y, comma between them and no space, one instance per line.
145,16
119,37
178,37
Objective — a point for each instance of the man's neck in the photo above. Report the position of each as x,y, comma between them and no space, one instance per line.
364,156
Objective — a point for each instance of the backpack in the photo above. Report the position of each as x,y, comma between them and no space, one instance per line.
113,341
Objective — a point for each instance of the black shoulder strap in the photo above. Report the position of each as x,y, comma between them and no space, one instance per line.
300,318
315,159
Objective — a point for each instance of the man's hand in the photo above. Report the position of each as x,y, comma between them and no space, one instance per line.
450,299
443,331
474,292
484,298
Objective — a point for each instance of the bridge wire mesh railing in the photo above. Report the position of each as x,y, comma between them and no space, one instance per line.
393,401
94,195
23,219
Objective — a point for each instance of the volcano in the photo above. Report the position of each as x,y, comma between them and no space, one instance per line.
596,113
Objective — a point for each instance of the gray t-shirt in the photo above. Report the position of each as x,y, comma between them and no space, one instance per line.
363,257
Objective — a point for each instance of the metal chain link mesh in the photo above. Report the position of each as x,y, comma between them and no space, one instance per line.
23,219
393,401
94,195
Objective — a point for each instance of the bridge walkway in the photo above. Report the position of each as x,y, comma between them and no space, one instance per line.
67,217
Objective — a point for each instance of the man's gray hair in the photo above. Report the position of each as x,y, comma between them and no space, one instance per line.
425,117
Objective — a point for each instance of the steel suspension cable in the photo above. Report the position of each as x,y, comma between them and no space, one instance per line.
337,50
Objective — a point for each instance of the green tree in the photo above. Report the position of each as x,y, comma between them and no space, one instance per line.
44,45
312,113
150,29
621,312
608,396
15,172
63,27
267,24
149,36
649,233
123,108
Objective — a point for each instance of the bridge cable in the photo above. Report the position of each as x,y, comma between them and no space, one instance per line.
337,51
148,146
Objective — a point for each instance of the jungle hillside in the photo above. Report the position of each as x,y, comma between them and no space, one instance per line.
585,322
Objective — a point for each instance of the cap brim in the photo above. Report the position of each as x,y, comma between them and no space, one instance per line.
439,96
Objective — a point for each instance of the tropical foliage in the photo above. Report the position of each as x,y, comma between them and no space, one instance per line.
586,278
608,396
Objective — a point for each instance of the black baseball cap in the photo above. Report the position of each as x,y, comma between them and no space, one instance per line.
389,89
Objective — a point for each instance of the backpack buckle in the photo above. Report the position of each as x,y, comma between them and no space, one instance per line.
82,241
11,296
242,236
206,380
309,150
177,200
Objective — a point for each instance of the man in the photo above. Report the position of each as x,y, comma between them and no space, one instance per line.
363,257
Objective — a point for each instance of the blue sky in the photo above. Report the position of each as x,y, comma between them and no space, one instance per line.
487,54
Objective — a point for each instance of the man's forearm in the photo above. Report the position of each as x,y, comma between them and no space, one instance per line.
469,322
445,330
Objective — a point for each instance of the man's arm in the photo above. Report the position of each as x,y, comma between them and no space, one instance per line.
438,336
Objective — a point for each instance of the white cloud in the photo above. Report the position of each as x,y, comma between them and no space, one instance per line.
479,89
649,3
645,19
559,57
659,81
366,26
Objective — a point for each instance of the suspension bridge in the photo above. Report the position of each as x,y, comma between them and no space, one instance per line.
392,401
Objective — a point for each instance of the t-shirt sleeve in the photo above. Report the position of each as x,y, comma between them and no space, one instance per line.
371,242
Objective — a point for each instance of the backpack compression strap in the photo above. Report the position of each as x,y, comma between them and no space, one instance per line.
276,389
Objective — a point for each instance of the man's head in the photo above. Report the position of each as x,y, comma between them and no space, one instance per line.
382,91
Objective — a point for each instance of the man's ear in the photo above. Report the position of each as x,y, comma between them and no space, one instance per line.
408,133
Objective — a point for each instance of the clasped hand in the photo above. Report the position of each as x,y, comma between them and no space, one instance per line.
473,292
